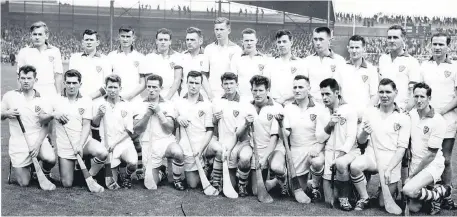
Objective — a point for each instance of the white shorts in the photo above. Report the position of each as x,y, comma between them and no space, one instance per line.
451,124
386,157
328,155
234,155
125,147
435,169
19,151
156,151
263,154
189,163
65,150
300,158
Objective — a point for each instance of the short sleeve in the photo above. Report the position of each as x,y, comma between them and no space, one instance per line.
20,59
374,81
87,112
414,71
234,64
58,67
5,101
208,116
128,120
437,133
405,131
71,62
287,118
169,110
204,64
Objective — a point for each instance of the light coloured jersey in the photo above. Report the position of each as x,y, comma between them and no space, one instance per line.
246,67
197,63
119,119
47,63
282,73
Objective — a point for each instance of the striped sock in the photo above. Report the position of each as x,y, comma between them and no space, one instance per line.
217,172
242,176
443,190
96,165
427,195
317,176
360,184
177,170
129,170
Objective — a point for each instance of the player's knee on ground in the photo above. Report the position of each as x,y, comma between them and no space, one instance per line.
277,163
192,179
66,169
23,176
415,205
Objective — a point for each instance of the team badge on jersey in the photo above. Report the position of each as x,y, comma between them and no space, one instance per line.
201,63
397,127
261,67
201,113
136,64
401,68
312,117
342,121
37,109
123,113
426,129
364,78
333,68
81,111
293,70
98,68
51,59
172,65
447,73
269,117
236,113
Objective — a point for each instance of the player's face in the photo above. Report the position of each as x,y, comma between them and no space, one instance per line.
421,99
39,36
356,49
229,86
194,84
284,44
221,31
154,88
26,80
394,39
193,41
328,96
386,94
249,42
439,46
300,89
259,93
90,42
72,85
163,42
126,38
112,89
321,41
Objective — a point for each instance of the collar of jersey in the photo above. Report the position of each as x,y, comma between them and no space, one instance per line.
447,60
331,54
235,98
161,99
363,65
48,46
429,114
199,52
404,54
97,54
269,103
200,97
291,57
230,43
310,103
170,52
396,108
65,95
120,98
119,49
256,55
37,94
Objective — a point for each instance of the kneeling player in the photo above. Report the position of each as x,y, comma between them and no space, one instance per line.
340,133
196,129
388,129
73,113
156,120
118,118
261,114
301,120
27,104
427,162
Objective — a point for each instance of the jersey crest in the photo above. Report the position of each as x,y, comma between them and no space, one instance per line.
447,73
201,62
426,129
123,113
312,117
342,121
261,67
81,111
172,65
51,59
37,108
397,127
269,116
201,113
364,78
236,113
401,68
98,68
293,69
136,64
333,68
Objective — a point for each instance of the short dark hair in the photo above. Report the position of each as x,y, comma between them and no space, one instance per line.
398,27
72,73
229,76
424,86
126,29
330,82
26,69
164,31
386,81
194,30
220,20
283,32
442,34
300,77
323,29
155,77
195,74
114,79
39,24
357,38
258,80
249,31
91,32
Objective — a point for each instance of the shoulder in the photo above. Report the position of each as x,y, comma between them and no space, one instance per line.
10,94
339,58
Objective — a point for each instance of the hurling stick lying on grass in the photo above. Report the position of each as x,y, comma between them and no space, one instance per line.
109,180
299,194
45,184
91,183
208,189
262,194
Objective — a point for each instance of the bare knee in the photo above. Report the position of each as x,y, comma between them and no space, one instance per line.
277,168
23,182
317,163
410,192
245,156
341,165
101,154
67,182
356,168
177,153
49,158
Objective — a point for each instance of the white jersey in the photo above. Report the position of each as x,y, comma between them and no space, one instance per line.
282,73
189,63
119,119
246,67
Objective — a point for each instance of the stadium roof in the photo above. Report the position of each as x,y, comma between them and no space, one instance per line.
316,9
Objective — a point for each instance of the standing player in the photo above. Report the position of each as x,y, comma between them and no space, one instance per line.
250,63
301,122
45,58
193,59
360,81
427,162
388,129
340,133
220,54
156,121
167,63
119,119
399,66
195,118
73,113
283,68
92,65
441,74
324,63
27,103
260,114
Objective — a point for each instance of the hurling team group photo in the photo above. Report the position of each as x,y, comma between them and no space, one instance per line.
297,121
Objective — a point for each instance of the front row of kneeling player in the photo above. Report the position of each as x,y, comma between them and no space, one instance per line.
325,140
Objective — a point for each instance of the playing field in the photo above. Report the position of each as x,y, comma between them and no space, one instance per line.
139,201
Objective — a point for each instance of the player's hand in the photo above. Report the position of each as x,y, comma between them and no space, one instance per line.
111,148
61,118
367,127
263,164
279,118
334,119
387,175
35,150
314,152
101,110
217,116
154,107
249,119
79,150
183,122
11,113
